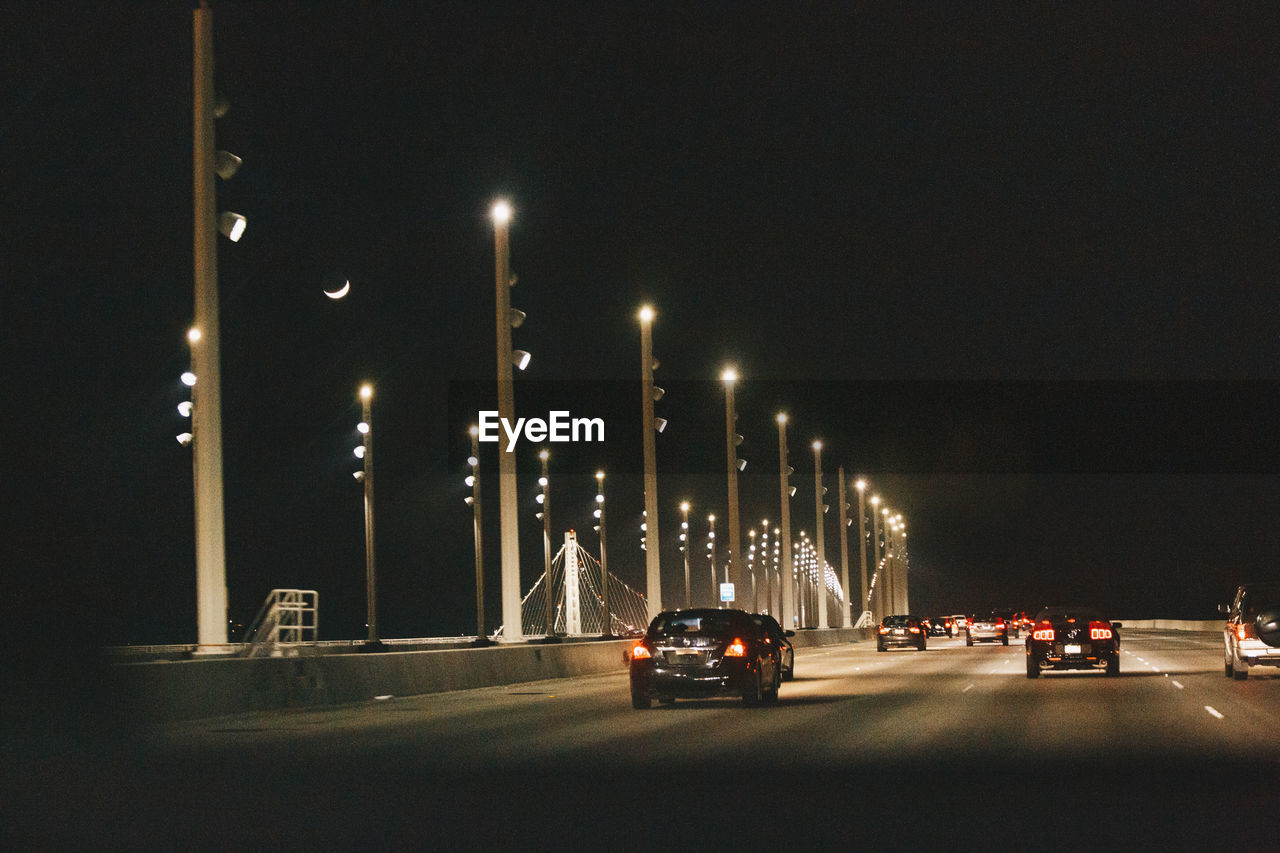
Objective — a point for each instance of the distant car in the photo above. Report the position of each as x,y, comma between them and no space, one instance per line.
705,652
982,629
899,631
1012,622
782,639
1073,638
959,621
936,626
1251,636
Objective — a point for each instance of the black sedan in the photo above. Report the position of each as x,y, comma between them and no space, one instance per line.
704,652
1073,638
900,630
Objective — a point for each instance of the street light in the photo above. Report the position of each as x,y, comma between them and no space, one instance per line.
474,500
784,499
751,569
509,508
861,486
648,395
365,452
711,555
729,376
819,510
846,620
545,500
684,547
607,632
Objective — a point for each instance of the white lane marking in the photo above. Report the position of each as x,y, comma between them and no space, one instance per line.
1177,684
967,689
1214,711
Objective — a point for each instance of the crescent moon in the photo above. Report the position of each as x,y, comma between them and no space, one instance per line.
340,292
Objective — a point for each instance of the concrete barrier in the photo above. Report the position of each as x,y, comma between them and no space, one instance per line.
171,690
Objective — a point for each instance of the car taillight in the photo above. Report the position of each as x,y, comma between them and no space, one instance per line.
1243,631
1044,632
884,630
640,651
1099,631
913,629
736,649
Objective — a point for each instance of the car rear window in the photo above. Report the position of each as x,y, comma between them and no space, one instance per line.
896,621
706,624
1259,598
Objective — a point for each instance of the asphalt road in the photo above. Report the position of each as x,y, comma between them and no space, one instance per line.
946,747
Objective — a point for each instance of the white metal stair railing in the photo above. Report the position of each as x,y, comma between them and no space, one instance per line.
288,619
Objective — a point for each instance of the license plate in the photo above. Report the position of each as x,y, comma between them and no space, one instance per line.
1071,649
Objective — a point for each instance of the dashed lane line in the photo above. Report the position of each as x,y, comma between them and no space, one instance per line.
1213,711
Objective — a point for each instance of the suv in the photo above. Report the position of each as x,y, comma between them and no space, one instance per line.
1251,636
982,628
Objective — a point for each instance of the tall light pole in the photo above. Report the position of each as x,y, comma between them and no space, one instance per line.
890,594
508,501
370,576
211,557
474,500
684,539
820,511
729,376
653,571
545,500
880,611
711,557
751,570
846,621
861,486
607,631
788,596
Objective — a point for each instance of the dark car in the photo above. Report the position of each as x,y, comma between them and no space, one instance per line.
705,652
1012,622
1073,638
899,631
936,626
780,637
1251,636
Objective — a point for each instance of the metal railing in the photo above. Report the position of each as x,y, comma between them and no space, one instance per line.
288,619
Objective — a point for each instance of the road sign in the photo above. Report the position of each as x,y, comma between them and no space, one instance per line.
726,592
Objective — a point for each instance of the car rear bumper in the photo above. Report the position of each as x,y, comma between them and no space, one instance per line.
899,642
1048,656
690,681
978,636
1257,653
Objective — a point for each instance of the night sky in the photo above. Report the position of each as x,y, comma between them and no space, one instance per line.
1016,269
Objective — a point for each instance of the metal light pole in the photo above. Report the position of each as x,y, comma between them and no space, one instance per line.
730,376
879,610
508,501
861,486
607,632
545,482
370,576
788,597
711,556
211,559
819,543
751,570
846,620
684,537
474,462
890,594
653,571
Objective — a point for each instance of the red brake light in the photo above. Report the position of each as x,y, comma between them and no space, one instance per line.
1044,631
914,629
736,649
884,630
640,651
999,621
1099,631
1242,631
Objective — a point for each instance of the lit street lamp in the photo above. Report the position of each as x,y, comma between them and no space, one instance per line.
881,610
711,556
545,500
474,500
729,376
648,395
788,566
607,631
684,547
820,510
365,452
861,486
846,620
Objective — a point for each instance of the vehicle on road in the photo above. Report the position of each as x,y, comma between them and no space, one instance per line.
704,652
901,631
1012,622
959,620
982,629
937,626
1251,636
782,639
1073,638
